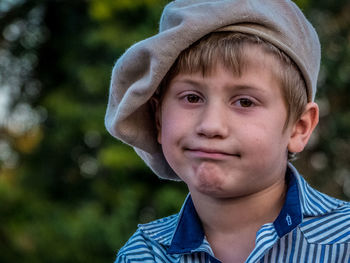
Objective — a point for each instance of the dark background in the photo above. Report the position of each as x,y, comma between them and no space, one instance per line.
69,192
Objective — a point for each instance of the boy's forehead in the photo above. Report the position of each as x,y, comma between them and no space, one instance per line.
222,81
256,67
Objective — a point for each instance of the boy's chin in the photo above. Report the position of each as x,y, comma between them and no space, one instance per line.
210,180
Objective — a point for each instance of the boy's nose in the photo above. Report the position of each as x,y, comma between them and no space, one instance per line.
213,122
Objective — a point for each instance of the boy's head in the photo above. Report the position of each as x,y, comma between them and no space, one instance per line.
198,37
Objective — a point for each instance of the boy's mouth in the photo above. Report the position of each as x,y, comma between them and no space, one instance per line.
209,153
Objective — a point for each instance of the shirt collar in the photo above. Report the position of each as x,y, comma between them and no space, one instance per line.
301,201
312,202
189,233
290,215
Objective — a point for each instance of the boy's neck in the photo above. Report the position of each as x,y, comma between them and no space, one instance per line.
228,214
230,225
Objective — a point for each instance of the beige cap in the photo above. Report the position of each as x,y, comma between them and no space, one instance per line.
139,71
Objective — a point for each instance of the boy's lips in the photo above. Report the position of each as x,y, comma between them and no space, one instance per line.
209,153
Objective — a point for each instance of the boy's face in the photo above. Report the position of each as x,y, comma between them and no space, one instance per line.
225,135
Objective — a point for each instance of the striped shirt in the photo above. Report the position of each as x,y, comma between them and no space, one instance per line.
311,227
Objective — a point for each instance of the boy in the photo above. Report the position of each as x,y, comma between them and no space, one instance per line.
221,98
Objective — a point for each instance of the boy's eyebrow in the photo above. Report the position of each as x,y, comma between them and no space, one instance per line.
235,86
249,87
188,81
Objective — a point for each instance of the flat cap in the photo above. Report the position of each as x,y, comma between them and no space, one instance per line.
139,71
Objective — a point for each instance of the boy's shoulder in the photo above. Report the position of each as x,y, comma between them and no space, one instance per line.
316,203
160,230
150,240
329,223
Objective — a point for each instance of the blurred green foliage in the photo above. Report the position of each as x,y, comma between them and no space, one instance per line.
69,192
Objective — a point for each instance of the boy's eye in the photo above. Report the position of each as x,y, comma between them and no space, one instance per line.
245,102
192,98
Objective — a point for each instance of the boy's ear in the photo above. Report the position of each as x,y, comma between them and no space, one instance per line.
155,105
303,128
